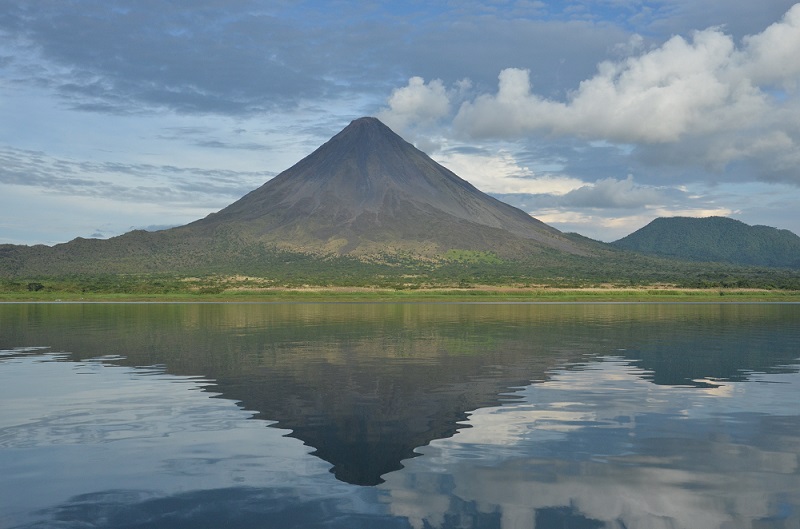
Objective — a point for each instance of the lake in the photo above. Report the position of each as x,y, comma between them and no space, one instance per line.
399,415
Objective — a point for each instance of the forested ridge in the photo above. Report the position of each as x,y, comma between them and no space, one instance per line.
715,239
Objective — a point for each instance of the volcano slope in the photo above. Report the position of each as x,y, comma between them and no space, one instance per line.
368,191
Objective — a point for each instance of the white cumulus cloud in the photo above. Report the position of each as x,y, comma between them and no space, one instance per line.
417,102
613,193
679,88
715,101
501,172
771,56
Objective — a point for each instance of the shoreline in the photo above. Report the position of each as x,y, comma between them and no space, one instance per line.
309,294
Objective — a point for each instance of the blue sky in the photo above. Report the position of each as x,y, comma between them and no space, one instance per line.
595,117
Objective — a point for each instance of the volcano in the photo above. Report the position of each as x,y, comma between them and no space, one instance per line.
365,194
368,191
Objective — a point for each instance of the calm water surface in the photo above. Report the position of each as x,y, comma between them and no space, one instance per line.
407,415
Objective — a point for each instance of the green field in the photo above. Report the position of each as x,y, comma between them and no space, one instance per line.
460,276
422,295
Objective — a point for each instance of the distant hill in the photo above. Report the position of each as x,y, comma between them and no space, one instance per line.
715,239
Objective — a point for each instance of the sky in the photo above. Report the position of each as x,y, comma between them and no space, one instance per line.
595,117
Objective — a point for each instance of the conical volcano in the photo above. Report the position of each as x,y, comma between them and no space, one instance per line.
368,191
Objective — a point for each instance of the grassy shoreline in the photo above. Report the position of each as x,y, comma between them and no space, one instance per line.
428,295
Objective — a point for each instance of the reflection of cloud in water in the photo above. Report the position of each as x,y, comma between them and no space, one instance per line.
80,431
607,445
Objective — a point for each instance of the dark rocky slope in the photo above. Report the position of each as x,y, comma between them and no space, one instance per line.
367,190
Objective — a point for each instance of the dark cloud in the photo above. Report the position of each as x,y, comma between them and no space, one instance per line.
737,17
113,56
207,58
250,56
558,54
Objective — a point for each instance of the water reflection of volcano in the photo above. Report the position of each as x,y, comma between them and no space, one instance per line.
366,385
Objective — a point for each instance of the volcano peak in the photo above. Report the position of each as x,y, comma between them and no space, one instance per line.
367,190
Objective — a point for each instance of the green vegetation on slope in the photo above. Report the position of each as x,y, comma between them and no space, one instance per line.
248,270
